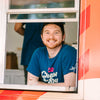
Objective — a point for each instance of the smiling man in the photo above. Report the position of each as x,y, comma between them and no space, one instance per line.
55,63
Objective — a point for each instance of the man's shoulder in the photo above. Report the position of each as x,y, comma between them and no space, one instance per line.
40,49
39,52
66,46
68,49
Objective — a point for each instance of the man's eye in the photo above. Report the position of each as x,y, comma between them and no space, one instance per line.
47,32
56,32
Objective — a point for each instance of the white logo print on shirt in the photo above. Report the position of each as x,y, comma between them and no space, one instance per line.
72,68
49,78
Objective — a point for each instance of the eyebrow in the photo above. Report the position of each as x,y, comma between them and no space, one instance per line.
54,30
46,30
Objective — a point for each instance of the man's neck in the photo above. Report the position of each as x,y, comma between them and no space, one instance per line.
53,52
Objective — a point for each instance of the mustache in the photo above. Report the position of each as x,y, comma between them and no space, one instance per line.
51,39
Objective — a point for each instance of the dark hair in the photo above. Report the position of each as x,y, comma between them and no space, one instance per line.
60,24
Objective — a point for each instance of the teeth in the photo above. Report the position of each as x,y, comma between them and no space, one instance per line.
51,41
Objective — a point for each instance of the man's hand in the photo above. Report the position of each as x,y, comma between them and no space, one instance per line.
19,28
32,79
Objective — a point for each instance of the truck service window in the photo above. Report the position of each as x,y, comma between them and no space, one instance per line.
25,44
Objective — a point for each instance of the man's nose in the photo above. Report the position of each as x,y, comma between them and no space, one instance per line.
51,36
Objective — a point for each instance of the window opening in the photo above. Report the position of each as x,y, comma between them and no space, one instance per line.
65,13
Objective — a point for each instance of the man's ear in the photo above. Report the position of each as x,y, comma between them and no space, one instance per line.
63,37
42,36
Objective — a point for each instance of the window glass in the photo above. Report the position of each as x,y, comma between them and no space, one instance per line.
30,4
43,16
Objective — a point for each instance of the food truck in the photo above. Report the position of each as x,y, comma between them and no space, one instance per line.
81,18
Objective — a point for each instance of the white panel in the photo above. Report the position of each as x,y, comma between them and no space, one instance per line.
14,76
2,38
46,10
43,20
92,89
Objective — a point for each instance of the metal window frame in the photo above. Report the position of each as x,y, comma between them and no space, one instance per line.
45,10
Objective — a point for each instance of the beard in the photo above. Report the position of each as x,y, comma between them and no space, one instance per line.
52,45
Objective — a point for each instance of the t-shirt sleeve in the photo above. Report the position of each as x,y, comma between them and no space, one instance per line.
33,66
69,60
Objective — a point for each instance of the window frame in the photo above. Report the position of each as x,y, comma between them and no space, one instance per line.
46,10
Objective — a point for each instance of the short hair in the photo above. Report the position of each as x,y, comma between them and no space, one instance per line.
60,24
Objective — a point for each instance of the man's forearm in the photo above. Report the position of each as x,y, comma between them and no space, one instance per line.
20,31
34,81
19,28
69,81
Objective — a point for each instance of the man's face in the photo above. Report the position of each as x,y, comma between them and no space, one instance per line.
52,36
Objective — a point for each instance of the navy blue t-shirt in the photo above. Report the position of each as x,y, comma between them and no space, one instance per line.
52,70
32,40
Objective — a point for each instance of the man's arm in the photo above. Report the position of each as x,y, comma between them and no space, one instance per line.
69,80
19,28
